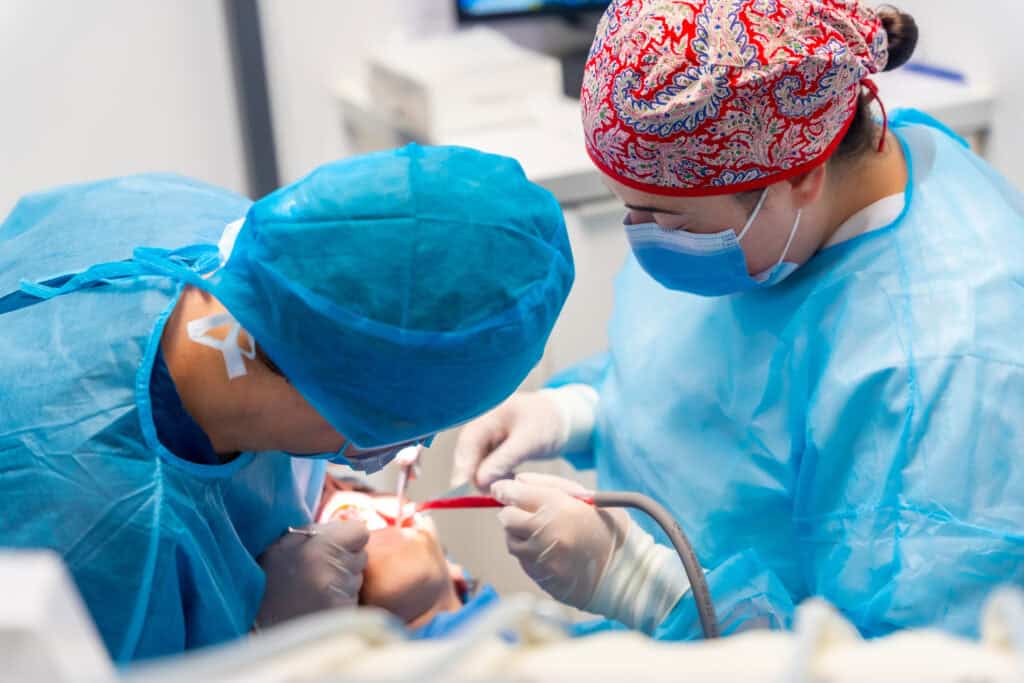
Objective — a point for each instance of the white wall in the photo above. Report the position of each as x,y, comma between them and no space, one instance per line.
110,87
312,44
981,38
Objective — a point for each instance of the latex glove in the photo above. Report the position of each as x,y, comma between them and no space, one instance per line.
307,574
597,560
563,544
528,426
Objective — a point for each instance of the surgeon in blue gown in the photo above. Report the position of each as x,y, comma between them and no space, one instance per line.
177,363
829,405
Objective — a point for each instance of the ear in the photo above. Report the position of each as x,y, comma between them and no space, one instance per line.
806,189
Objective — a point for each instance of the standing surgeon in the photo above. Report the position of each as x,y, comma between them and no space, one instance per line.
814,356
176,363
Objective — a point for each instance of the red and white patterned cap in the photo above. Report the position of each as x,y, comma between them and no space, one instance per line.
706,97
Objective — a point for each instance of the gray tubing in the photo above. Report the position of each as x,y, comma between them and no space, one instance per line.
694,571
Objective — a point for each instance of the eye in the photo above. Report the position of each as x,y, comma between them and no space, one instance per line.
670,221
636,217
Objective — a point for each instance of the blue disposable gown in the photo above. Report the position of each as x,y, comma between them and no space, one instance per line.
855,432
163,550
448,624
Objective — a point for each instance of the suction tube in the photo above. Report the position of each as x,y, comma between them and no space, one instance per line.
668,524
623,499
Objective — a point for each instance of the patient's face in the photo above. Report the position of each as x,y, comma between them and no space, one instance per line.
406,571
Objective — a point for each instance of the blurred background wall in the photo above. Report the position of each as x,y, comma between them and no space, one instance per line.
110,87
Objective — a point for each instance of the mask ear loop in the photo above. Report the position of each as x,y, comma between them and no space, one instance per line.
753,216
792,236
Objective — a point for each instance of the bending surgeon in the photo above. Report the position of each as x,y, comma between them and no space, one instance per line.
179,362
813,358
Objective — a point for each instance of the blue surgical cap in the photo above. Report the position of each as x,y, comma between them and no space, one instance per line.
402,292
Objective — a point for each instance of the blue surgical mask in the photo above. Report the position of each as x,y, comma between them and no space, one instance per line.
708,265
365,460
368,462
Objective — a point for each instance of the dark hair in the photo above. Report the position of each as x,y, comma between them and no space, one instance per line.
902,31
861,136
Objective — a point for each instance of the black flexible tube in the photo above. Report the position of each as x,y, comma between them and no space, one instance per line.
694,571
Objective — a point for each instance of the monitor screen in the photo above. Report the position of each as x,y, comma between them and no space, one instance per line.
485,9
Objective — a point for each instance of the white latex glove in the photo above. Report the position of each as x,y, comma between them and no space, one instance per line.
307,574
528,426
562,543
593,559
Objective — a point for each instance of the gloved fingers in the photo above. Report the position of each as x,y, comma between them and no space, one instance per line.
410,455
341,553
350,535
476,441
345,578
569,486
533,549
545,578
348,563
342,570
520,446
296,536
518,524
526,496
344,590
616,518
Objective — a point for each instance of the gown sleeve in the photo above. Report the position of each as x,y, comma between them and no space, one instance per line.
590,372
746,593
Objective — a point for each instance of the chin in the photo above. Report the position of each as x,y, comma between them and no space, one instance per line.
407,572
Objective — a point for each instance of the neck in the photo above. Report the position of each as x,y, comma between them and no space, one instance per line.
258,411
227,410
870,180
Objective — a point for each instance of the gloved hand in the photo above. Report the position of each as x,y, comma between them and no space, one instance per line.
594,559
563,544
307,574
528,426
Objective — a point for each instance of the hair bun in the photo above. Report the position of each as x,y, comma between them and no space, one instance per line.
902,31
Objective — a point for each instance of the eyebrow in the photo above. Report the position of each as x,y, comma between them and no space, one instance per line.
651,209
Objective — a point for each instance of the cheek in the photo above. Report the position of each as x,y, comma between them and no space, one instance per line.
399,561
387,559
401,549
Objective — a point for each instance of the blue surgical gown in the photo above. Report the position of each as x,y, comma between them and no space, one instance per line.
162,549
854,433
448,624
